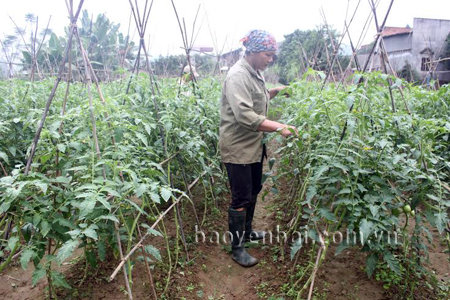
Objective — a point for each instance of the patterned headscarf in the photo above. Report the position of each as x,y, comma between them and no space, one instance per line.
259,41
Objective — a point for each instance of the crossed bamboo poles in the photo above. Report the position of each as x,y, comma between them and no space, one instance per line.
141,23
90,77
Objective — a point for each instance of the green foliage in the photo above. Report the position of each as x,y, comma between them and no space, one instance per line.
172,65
408,73
65,199
108,49
384,162
388,277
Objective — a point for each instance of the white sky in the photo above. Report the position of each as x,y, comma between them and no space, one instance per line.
229,20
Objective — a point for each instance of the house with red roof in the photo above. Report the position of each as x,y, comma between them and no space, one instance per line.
421,47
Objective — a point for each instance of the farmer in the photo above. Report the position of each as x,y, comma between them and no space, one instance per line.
242,125
188,72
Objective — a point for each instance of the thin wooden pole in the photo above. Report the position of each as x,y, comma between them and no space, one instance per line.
52,93
367,62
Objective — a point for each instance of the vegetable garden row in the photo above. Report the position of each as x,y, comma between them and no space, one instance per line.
386,171
65,202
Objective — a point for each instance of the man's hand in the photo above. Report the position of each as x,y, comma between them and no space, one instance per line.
272,126
273,92
287,131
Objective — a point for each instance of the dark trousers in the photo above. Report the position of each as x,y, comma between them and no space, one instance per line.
245,182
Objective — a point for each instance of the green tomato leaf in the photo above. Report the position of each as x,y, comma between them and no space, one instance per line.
66,250
325,212
91,233
25,258
166,193
58,280
86,207
392,262
141,190
45,228
104,202
271,163
441,221
142,138
37,275
5,207
153,251
151,230
42,185
4,156
109,217
371,262
374,210
295,247
365,230
12,242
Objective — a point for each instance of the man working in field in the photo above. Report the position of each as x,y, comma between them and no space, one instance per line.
242,125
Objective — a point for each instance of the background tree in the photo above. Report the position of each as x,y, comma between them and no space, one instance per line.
408,73
305,49
172,65
108,49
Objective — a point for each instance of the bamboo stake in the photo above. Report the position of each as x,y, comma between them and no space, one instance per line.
330,36
8,60
337,50
316,267
360,39
119,243
382,55
367,62
141,30
328,61
3,168
149,272
55,86
183,172
63,110
88,70
113,275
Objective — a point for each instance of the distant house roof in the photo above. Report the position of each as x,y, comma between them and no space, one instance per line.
388,31
203,49
391,31
231,53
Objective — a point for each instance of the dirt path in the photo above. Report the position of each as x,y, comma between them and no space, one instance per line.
221,278
214,275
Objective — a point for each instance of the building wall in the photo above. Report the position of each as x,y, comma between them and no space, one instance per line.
429,33
399,59
400,42
398,48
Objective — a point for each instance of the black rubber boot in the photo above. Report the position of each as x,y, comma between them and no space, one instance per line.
236,224
250,234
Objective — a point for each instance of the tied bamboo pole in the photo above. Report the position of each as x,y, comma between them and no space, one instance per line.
383,59
73,21
356,46
336,49
367,61
161,216
141,24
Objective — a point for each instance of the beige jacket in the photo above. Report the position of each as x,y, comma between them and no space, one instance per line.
244,107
